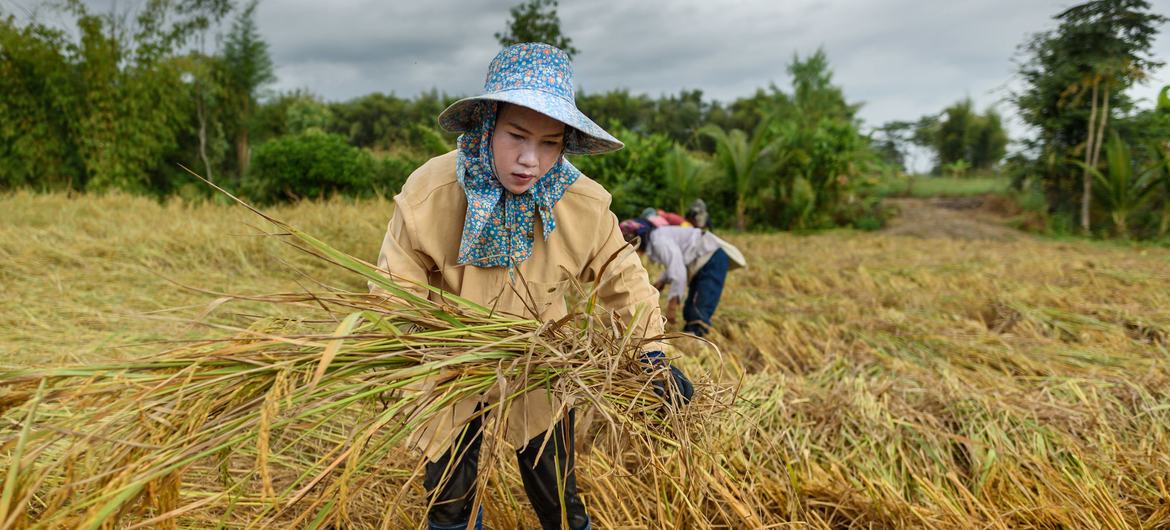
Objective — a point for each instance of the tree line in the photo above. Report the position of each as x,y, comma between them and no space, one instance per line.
123,102
1075,98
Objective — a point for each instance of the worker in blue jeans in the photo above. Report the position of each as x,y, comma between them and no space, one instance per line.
695,264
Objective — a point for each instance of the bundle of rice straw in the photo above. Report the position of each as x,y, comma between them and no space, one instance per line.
300,424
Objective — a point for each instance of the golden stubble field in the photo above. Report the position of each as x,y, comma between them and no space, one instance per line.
886,381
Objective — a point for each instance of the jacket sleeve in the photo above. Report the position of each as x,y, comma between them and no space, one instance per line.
670,256
400,258
625,285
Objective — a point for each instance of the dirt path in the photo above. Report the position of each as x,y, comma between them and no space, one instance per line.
966,218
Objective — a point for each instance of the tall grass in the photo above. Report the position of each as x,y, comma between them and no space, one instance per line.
885,381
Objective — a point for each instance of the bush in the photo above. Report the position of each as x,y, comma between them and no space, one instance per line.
634,175
861,212
391,170
309,164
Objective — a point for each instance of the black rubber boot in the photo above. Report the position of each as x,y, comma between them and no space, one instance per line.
450,481
549,472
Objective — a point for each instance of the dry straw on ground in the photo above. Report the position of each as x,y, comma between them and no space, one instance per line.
886,381
291,427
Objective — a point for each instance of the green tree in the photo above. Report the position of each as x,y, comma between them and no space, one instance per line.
1161,175
634,176
1074,80
684,177
199,71
536,21
680,117
117,107
814,95
744,160
817,139
962,135
247,67
1121,188
635,112
987,140
892,141
37,143
951,141
387,122
307,113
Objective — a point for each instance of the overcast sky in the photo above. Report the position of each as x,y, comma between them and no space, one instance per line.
901,58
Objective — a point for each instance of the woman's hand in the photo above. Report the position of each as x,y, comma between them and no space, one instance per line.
676,389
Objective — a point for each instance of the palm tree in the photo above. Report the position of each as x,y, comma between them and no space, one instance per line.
684,176
1121,189
743,160
1161,157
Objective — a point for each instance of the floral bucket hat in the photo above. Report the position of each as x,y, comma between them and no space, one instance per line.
537,76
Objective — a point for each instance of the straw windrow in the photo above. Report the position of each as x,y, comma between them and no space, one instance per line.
294,427
885,382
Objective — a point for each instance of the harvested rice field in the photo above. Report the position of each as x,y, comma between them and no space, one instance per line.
912,378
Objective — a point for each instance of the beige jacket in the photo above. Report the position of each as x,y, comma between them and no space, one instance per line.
422,243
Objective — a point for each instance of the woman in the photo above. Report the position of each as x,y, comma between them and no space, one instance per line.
695,264
502,216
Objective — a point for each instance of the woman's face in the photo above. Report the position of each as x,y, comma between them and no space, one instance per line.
525,145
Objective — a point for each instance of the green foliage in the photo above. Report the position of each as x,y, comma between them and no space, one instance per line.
987,140
891,141
1099,47
817,138
311,164
635,112
246,68
678,117
633,175
928,186
1160,162
210,144
162,26
951,140
742,161
958,168
685,177
815,97
390,172
798,167
104,111
305,113
1121,189
37,145
429,140
802,202
536,21
381,121
960,134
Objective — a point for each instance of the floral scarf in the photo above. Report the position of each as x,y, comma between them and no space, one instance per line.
500,227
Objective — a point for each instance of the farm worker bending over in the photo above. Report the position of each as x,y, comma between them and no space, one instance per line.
662,217
697,214
696,264
503,208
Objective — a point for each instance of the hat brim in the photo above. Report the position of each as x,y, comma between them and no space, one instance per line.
592,139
